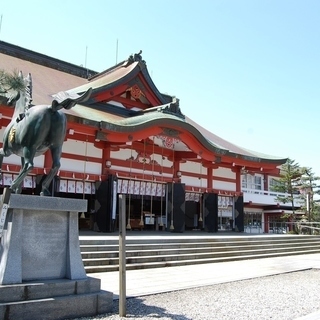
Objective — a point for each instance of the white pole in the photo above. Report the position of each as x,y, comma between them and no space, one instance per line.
0,23
117,51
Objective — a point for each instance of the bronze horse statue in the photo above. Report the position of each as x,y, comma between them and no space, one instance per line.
35,129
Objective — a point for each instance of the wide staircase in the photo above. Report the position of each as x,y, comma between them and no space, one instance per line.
103,255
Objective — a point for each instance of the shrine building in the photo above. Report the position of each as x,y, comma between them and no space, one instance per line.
129,140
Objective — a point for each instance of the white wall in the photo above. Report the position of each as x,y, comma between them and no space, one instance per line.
223,185
224,173
81,148
80,166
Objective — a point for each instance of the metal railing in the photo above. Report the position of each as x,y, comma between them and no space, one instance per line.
299,227
269,193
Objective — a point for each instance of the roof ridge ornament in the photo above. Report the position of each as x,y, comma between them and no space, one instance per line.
173,108
135,58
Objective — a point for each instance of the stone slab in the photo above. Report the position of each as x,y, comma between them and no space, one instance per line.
20,201
56,308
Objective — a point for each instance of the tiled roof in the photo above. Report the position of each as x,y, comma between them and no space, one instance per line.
46,81
218,141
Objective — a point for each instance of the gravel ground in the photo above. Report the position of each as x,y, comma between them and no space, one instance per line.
285,296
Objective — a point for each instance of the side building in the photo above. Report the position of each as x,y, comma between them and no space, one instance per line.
129,139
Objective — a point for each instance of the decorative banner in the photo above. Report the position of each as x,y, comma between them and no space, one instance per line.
193,196
7,179
63,185
148,189
143,187
224,202
79,186
71,186
136,187
131,187
124,186
154,189
28,182
159,190
87,187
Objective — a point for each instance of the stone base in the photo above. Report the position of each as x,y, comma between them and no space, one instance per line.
41,270
54,299
41,240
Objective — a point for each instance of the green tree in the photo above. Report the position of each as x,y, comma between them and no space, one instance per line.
309,189
288,183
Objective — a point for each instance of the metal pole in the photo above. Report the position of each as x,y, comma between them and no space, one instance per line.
122,256
309,212
0,23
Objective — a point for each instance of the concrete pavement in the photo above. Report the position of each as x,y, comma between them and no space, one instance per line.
159,280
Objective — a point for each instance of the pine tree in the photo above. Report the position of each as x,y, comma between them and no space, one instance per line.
10,81
288,183
309,187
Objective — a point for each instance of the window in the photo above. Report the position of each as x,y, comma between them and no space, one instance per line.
253,219
252,181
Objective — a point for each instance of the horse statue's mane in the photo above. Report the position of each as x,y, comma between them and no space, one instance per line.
35,129
28,81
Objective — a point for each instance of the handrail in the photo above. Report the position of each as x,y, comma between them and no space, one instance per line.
267,192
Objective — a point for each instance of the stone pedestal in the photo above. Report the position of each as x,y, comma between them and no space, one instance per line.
40,249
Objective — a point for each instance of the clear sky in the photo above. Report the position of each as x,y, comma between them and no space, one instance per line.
248,71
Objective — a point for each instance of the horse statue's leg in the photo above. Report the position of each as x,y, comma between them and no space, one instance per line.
56,155
27,165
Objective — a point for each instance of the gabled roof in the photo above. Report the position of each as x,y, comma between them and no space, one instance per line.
123,78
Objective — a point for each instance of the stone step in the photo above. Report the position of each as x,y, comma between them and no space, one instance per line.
173,249
194,256
185,241
189,244
33,290
102,256
54,299
162,264
65,307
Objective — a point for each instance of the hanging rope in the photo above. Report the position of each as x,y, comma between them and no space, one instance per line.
200,195
171,226
143,168
162,178
82,216
129,210
151,204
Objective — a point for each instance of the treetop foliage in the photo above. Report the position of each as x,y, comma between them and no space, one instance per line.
10,81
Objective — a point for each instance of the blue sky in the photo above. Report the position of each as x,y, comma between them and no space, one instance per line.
247,71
